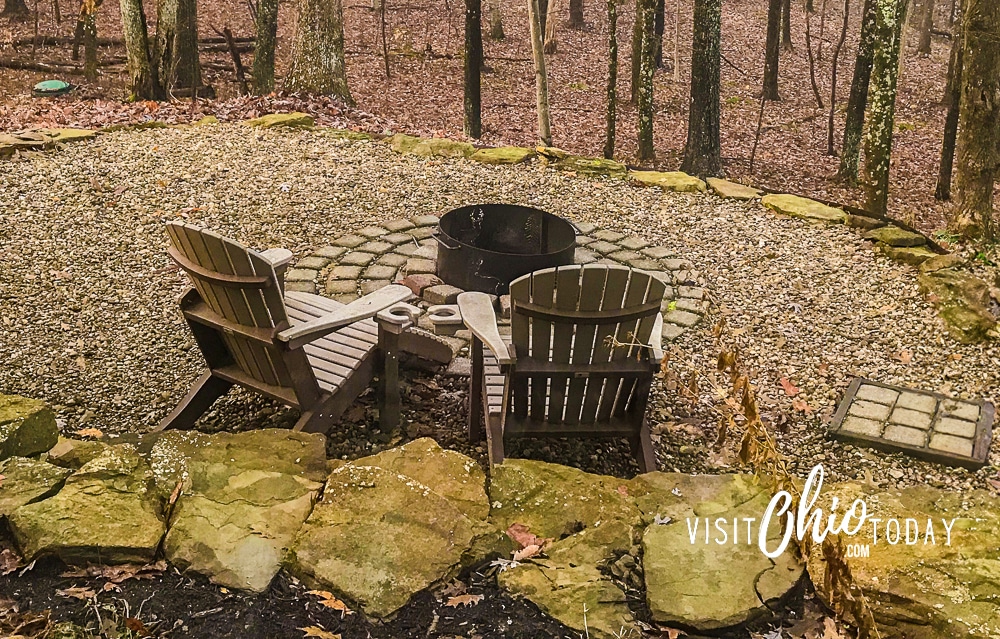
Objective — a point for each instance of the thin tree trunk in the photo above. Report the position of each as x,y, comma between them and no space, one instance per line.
658,26
926,26
141,84
703,150
473,68
786,25
266,23
15,10
576,14
833,80
822,30
612,101
647,67
318,50
812,65
541,77
773,50
90,41
163,48
186,71
384,28
636,51
496,21
551,43
677,41
543,15
56,12
979,134
858,100
891,17
953,98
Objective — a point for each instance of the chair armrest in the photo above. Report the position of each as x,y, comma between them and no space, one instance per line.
358,310
479,317
656,340
277,256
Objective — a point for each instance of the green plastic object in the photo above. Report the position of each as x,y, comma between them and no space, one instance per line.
49,88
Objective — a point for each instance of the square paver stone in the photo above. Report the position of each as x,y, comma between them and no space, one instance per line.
396,226
603,247
608,235
330,252
583,240
406,249
584,228
922,424
349,241
378,248
345,272
421,232
314,262
633,243
373,232
425,220
657,252
397,238
358,258
392,259
379,272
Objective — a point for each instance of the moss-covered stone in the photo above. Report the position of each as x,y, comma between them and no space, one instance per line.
443,147
669,181
864,222
804,208
345,134
26,481
912,255
207,120
74,453
733,190
597,167
503,155
403,143
27,427
962,301
294,120
941,262
895,236
136,126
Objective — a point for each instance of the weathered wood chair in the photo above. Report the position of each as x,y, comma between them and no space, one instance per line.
560,372
306,351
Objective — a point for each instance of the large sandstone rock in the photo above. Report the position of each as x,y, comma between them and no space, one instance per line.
443,147
925,590
26,481
912,255
378,536
704,584
295,120
732,190
669,181
74,453
895,236
244,497
962,301
105,513
568,585
556,501
559,159
27,427
804,208
503,155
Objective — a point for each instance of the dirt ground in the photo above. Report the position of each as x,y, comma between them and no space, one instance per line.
423,94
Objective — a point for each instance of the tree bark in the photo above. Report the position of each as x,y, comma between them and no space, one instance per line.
926,26
318,50
186,71
858,100
90,41
833,80
979,132
612,101
703,150
636,52
953,98
551,43
812,65
141,84
473,68
786,25
496,21
15,10
265,43
773,50
890,19
659,20
576,14
647,67
541,77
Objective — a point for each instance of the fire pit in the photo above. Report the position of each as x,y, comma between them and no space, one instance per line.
484,247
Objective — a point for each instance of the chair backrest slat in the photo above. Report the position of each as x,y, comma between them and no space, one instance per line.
595,314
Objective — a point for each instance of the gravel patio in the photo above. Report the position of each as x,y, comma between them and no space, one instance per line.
90,324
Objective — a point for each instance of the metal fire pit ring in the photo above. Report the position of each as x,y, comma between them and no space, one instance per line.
484,247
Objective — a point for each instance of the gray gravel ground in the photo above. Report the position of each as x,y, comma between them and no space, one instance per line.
88,319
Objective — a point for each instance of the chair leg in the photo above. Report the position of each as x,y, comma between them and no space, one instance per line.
476,392
387,366
313,421
642,448
494,439
206,390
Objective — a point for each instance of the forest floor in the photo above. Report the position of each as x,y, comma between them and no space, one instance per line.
423,93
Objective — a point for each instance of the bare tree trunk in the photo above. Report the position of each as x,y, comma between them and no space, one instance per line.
636,52
822,29
541,77
612,102
576,14
812,65
496,21
141,84
703,150
773,50
90,41
677,41
265,43
891,17
551,43
979,134
926,26
15,10
953,98
318,50
647,67
658,26
833,80
473,68
786,25
858,101
186,72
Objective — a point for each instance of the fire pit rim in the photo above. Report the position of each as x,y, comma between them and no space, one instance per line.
443,241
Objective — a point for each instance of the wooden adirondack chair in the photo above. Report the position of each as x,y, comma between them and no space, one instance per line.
306,351
559,374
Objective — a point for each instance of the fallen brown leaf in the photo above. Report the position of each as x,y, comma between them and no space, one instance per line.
89,432
319,633
519,533
527,552
9,561
463,600
788,387
903,356
77,592
801,406
327,599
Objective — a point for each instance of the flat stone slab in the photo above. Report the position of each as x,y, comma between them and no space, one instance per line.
732,190
27,427
244,497
26,481
669,181
920,423
805,208
895,236
106,512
